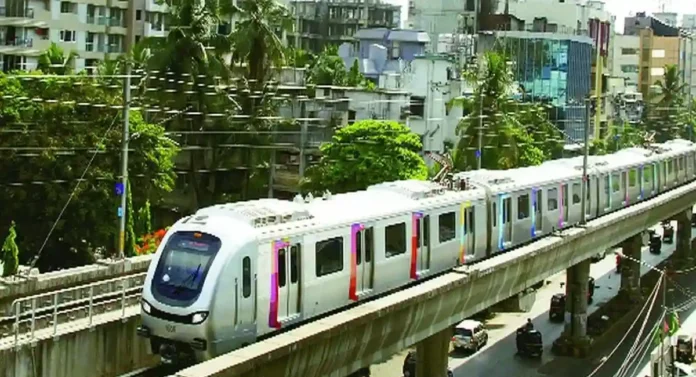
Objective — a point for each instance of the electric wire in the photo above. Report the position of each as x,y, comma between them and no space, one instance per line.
650,302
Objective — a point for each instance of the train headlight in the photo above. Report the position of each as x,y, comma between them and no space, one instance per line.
146,306
199,317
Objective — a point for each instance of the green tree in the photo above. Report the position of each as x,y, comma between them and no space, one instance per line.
10,253
504,137
365,153
55,61
257,38
666,118
144,221
299,58
50,146
130,226
330,69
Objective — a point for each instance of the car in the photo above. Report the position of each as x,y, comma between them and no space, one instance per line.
469,335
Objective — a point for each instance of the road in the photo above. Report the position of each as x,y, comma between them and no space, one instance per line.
498,358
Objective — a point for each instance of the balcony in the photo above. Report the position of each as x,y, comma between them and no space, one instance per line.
97,20
117,22
17,13
17,42
95,47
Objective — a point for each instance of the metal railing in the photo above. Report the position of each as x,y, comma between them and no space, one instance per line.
19,42
44,312
19,13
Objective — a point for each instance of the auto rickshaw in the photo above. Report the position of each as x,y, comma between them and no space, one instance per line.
667,232
529,342
557,307
655,241
685,349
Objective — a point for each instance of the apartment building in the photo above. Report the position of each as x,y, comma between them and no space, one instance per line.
331,22
95,30
626,62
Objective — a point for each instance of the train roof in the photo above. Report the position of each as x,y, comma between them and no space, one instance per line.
270,217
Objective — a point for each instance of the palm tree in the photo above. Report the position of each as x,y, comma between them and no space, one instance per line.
256,38
505,140
54,60
666,122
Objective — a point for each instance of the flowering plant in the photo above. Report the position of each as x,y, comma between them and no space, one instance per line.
150,242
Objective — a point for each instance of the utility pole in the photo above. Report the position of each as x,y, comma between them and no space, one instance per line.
124,162
586,152
479,159
303,136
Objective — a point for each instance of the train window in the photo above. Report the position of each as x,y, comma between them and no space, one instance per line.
648,175
538,202
294,263
495,214
246,277
447,227
607,186
369,244
358,248
632,178
507,210
470,224
522,207
576,193
329,256
615,183
395,239
282,268
552,200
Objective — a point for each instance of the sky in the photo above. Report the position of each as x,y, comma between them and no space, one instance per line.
620,8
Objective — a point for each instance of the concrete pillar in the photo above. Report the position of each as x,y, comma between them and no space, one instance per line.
432,354
684,235
574,340
630,269
577,278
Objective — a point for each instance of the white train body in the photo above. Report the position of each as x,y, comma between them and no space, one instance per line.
232,273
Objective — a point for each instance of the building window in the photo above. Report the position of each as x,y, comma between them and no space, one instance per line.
629,51
395,239
138,15
629,68
67,7
329,256
658,53
67,35
657,72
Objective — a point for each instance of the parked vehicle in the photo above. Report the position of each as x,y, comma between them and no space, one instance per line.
655,242
685,349
469,335
557,307
667,232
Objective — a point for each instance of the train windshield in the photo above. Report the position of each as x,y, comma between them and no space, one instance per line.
183,267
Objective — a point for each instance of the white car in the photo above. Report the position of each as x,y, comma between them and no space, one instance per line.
469,335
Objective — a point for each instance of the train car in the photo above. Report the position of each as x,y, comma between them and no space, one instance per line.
234,273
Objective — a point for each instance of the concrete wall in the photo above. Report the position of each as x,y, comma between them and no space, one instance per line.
109,350
16,287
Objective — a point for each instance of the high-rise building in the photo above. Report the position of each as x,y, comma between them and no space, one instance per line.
437,17
660,45
319,23
95,30
626,62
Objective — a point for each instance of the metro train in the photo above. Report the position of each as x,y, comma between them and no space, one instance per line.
233,273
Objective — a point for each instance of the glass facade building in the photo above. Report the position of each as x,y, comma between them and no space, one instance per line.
555,69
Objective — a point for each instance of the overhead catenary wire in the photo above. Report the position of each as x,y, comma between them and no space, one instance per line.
648,303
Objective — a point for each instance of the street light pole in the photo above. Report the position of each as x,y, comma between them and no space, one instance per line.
124,162
586,152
